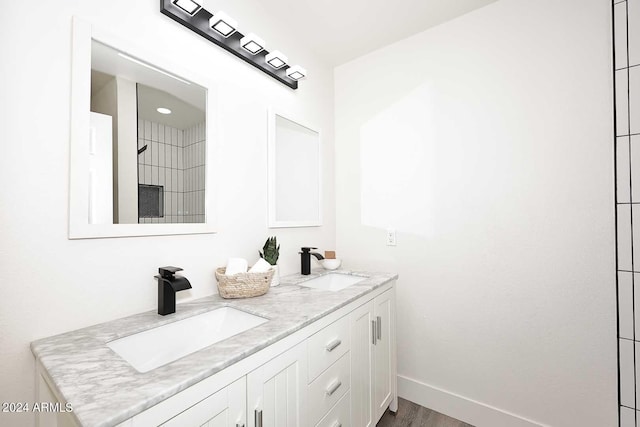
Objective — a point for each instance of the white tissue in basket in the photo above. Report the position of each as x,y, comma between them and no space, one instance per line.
235,266
260,266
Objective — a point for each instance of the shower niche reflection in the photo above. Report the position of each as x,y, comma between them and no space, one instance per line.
148,143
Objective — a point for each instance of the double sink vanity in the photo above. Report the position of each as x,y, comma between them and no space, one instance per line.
318,350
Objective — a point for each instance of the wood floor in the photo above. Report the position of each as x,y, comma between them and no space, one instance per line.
412,415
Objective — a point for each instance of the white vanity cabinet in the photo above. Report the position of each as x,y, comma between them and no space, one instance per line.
352,366
373,360
362,336
384,360
276,391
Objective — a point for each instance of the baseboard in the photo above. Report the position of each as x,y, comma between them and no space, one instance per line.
459,407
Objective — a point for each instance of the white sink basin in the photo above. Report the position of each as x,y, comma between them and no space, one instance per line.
156,347
332,282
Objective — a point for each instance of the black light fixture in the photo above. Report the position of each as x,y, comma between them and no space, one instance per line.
223,24
222,30
252,44
189,6
296,72
276,59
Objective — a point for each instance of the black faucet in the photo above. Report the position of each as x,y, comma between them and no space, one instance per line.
168,285
305,259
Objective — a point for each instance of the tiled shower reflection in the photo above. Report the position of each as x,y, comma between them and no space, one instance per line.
626,20
174,161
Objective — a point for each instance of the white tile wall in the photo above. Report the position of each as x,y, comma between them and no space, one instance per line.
626,20
634,31
637,372
620,37
627,373
627,417
623,172
635,172
625,303
194,170
622,102
636,303
624,237
174,159
635,218
634,99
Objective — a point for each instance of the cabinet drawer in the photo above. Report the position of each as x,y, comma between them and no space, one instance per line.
339,415
328,388
327,346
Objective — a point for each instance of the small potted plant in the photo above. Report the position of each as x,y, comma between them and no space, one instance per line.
270,253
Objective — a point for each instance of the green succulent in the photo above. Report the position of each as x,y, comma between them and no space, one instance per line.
270,251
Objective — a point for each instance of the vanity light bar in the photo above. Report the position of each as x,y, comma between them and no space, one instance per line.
189,6
221,29
276,59
296,72
223,24
252,44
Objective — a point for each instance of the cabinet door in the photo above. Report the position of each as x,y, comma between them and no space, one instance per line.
225,408
384,388
362,365
277,391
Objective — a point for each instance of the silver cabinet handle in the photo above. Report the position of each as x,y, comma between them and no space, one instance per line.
373,332
258,418
332,389
332,345
337,424
379,324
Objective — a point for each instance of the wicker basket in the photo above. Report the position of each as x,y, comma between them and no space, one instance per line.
243,285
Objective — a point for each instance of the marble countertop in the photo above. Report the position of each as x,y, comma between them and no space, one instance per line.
105,390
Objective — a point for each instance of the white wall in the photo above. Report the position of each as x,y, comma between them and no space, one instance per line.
51,284
487,142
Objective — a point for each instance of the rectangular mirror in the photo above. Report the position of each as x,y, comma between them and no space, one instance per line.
141,141
295,179
149,126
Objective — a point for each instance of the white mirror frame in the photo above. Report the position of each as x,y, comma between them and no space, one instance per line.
273,222
79,227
